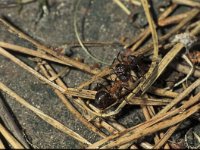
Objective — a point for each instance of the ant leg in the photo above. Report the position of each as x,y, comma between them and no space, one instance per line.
113,61
117,58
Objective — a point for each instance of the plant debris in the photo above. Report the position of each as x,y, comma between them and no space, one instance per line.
156,73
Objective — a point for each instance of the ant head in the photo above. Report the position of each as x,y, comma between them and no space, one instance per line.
121,68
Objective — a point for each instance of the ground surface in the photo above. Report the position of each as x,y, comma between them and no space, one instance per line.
97,21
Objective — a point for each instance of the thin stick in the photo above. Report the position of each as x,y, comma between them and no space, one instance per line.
187,3
148,101
69,105
122,6
162,92
168,11
66,59
43,116
172,20
9,121
8,136
1,145
166,136
79,39
71,91
31,52
154,121
185,69
193,13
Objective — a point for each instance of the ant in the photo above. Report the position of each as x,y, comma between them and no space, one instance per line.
125,66
106,97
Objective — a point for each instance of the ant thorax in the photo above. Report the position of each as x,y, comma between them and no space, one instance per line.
123,72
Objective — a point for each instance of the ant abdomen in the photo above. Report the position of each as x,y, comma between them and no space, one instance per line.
103,99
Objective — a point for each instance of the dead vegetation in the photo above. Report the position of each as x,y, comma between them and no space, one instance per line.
165,108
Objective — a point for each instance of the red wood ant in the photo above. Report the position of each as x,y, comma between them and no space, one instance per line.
105,97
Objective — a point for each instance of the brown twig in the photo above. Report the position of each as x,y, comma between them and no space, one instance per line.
8,136
2,145
193,13
43,116
168,11
157,118
66,59
166,136
8,120
162,92
31,52
69,91
172,20
67,103
188,3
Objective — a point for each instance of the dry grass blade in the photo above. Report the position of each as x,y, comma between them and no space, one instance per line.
70,107
193,13
188,3
9,122
122,6
43,116
8,136
180,97
157,127
70,91
166,136
2,145
67,60
148,101
153,68
162,92
31,52
172,53
153,122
